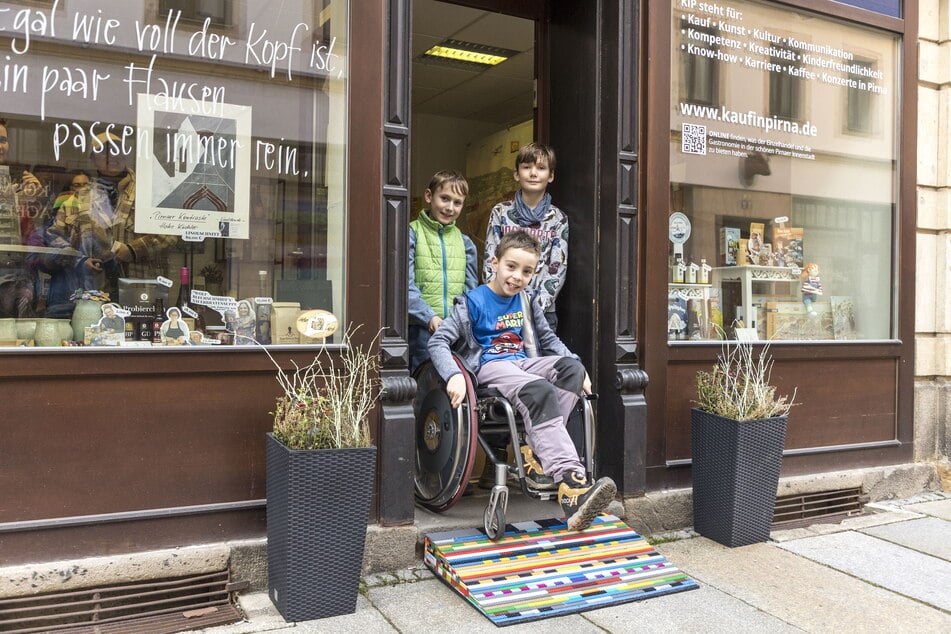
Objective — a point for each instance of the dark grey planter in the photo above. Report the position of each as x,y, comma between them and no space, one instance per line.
736,468
318,505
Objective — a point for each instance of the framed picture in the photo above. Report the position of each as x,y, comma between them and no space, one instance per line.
791,321
196,180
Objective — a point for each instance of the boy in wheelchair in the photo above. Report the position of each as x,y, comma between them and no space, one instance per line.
504,340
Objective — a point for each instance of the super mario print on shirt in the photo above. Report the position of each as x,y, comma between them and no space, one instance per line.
497,324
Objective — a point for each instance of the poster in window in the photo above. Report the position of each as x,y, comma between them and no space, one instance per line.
196,183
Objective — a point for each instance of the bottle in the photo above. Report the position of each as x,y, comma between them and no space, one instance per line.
184,292
262,310
144,329
263,290
157,320
184,301
679,269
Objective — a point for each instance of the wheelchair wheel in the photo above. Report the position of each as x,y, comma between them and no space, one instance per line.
445,440
493,521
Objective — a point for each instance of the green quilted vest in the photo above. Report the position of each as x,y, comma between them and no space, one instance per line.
440,262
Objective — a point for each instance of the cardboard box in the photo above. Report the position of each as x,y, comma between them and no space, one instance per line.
261,307
729,245
284,323
787,246
754,244
262,322
743,253
676,317
697,323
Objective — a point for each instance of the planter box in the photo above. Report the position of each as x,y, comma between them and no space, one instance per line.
736,468
318,504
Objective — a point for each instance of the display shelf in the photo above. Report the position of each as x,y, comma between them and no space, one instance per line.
689,291
747,274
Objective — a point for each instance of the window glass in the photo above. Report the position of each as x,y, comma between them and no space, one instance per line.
783,194
171,173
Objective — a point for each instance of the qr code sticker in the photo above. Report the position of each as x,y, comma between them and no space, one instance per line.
693,139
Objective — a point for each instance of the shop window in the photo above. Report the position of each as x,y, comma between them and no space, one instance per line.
780,227
152,164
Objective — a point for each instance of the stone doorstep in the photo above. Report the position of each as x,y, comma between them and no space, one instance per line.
63,576
662,515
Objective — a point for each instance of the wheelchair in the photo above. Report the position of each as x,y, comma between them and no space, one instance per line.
447,439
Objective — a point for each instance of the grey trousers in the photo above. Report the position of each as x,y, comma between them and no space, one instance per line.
544,390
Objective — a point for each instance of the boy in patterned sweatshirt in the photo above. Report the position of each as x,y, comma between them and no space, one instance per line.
533,211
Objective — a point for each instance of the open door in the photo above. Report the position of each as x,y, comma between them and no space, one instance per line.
473,101
570,79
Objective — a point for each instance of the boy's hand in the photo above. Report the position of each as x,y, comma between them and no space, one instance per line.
586,386
456,389
434,323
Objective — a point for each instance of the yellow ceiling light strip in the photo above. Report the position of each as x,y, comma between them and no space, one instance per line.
464,55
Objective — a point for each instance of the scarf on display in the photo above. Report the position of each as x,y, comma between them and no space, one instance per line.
525,215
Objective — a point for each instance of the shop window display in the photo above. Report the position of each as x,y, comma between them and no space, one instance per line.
158,160
783,195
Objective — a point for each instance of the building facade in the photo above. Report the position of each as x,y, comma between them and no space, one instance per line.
708,153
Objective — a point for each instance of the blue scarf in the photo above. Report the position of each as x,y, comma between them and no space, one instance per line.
527,216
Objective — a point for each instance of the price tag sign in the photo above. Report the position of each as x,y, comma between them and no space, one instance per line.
317,324
194,235
188,311
164,281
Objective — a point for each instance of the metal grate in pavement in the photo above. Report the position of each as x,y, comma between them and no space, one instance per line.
149,607
812,508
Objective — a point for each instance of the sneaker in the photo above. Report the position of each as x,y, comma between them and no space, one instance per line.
581,502
534,474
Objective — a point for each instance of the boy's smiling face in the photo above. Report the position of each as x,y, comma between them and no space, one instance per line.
513,271
445,204
533,178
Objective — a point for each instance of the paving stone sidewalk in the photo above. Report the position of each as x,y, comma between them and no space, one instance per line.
889,571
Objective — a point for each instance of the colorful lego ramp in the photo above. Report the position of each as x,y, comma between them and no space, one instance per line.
540,569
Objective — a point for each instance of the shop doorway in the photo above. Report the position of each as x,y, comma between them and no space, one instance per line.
570,80
471,112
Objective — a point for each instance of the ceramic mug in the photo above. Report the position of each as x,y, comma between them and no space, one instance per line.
8,328
51,332
26,328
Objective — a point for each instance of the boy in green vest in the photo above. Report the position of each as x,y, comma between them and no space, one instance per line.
442,261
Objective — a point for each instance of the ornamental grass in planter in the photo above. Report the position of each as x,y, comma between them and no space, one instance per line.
738,431
320,471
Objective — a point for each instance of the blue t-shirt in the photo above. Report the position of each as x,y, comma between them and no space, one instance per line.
496,324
